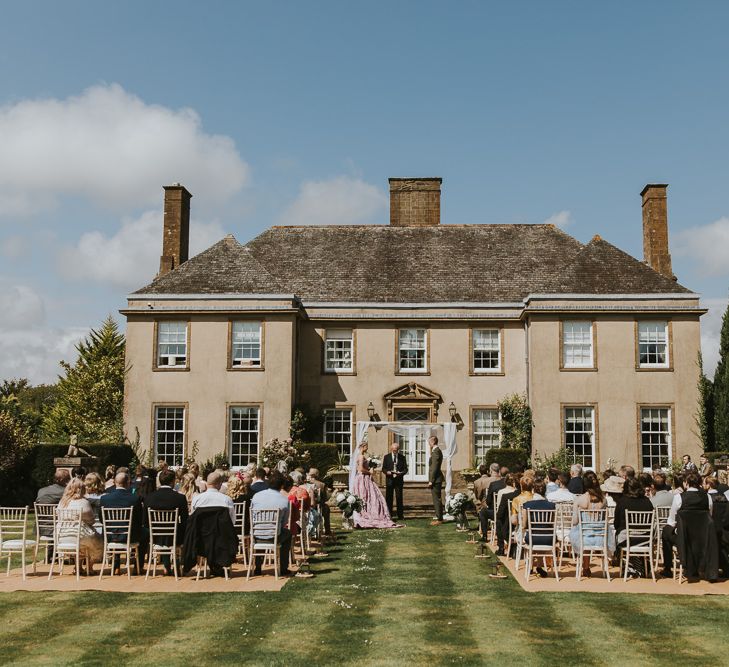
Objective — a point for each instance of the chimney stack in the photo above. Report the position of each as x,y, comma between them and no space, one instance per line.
655,229
176,230
415,202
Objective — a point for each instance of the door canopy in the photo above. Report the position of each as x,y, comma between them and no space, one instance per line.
412,392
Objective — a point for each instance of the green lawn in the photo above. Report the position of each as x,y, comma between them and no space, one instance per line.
383,597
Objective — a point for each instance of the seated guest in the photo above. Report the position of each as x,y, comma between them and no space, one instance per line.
52,494
503,520
300,499
626,472
74,499
79,472
662,496
526,484
705,468
199,483
94,488
212,497
552,483
592,499
486,513
575,484
238,490
678,485
692,498
646,479
538,502
562,493
180,472
161,465
321,495
633,499
613,489
109,475
166,498
720,516
139,472
259,483
272,499
481,485
121,496
147,484
188,488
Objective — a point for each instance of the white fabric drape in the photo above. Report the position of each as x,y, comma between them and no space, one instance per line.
409,430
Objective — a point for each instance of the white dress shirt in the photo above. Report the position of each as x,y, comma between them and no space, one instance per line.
561,495
270,499
213,498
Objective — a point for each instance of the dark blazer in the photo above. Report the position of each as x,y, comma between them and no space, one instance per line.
697,546
631,505
400,465
210,533
502,518
50,495
165,498
125,498
258,485
435,474
494,488
576,486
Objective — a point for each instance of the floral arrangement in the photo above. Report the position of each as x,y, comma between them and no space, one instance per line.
373,462
457,504
282,454
349,503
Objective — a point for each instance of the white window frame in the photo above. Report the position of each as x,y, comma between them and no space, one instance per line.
335,350
167,360
239,459
668,433
336,435
177,459
653,338
422,347
479,346
492,433
592,433
241,361
571,345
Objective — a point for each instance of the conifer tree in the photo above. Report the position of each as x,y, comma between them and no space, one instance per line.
705,414
721,389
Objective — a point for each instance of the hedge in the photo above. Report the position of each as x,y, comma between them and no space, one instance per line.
323,455
713,455
507,456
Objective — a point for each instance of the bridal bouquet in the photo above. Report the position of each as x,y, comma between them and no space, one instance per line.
349,503
373,462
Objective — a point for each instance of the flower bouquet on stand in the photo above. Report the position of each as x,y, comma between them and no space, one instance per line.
457,506
349,504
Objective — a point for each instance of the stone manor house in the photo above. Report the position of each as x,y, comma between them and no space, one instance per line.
415,321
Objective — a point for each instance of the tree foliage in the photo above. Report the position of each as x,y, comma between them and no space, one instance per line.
721,389
14,442
26,403
91,392
516,422
705,413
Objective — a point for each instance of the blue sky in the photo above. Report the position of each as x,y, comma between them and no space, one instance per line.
298,112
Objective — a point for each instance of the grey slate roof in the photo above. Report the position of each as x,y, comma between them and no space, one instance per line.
476,263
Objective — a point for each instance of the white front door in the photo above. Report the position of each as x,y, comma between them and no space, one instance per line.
414,446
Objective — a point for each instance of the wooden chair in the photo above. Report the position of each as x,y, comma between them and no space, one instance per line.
67,541
640,530
45,519
162,538
117,523
264,539
593,525
240,526
540,526
13,526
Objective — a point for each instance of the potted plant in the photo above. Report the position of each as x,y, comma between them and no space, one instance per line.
340,472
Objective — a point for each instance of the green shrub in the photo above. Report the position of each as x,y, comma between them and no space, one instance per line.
218,461
322,455
507,456
516,422
561,459
713,455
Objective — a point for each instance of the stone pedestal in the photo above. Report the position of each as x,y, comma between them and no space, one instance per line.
91,463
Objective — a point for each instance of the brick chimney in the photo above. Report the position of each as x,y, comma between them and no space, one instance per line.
415,202
176,230
655,229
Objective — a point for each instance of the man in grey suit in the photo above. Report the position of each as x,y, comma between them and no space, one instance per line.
435,479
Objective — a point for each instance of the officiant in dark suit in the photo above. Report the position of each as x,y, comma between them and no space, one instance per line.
395,468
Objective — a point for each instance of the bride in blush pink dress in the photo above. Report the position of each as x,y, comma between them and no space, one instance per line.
374,514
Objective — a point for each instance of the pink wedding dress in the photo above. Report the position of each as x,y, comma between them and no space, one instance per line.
374,514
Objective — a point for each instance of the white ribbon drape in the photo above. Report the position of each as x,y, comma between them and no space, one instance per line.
410,431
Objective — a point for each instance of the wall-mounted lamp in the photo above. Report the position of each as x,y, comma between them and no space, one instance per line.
452,411
371,411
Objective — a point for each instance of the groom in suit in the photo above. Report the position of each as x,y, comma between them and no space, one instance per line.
435,478
395,468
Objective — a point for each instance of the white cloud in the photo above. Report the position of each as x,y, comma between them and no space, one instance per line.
707,245
109,146
710,333
130,258
13,247
21,306
562,219
338,201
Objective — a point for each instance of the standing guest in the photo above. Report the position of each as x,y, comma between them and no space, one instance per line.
592,499
575,484
119,497
688,465
552,484
109,474
538,502
94,489
212,497
661,495
395,467
435,479
166,498
188,488
321,495
633,499
272,499
562,494
259,482
74,499
52,494
199,483
705,468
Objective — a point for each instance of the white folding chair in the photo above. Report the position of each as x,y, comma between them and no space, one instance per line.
593,526
511,528
518,537
491,523
540,528
117,527
13,525
67,541
162,538
564,511
264,539
303,530
661,521
45,518
240,526
640,530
